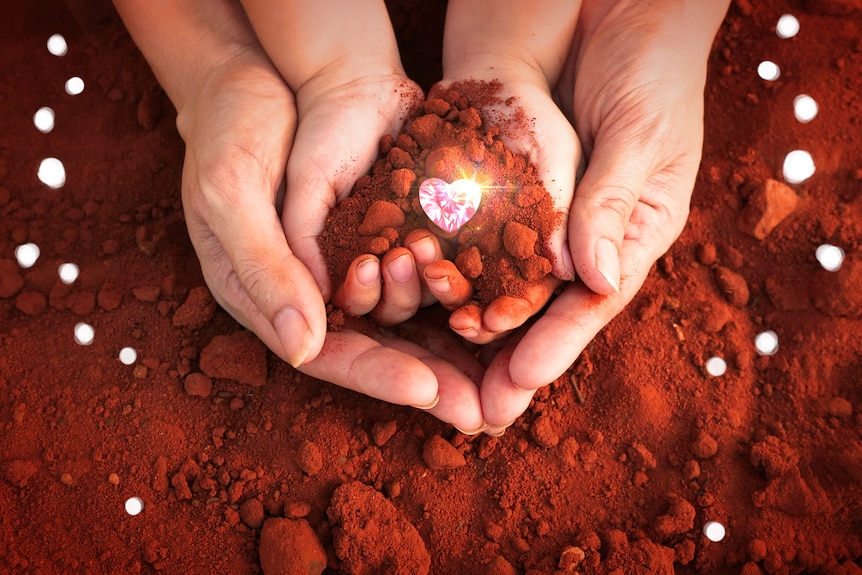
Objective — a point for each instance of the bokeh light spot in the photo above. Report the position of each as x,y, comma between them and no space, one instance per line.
57,45
798,166
787,27
27,254
766,342
74,86
805,108
52,173
68,273
43,119
128,355
768,70
830,257
84,333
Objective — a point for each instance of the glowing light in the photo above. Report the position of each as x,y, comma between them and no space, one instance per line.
830,257
43,119
84,333
57,45
74,86
766,343
52,173
134,505
714,531
798,166
715,366
768,70
128,355
805,108
787,27
450,206
68,273
27,254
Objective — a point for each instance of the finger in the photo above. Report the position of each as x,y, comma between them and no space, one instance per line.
507,313
601,210
466,321
261,283
459,402
362,286
558,159
328,157
447,285
355,361
425,248
502,401
402,292
559,335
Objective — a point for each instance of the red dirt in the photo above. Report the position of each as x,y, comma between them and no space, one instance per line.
448,139
614,468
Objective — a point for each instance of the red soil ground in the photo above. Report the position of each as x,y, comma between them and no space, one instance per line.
615,468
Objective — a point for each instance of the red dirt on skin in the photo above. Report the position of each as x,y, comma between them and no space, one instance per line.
614,468
447,138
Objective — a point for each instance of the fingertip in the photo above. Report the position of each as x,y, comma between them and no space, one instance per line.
295,335
368,271
562,265
599,268
608,266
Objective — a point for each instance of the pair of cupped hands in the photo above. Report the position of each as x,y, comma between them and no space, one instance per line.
274,141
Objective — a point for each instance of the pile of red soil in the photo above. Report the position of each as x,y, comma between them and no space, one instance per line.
615,468
502,248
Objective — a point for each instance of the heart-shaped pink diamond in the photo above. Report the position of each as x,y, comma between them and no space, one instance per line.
450,206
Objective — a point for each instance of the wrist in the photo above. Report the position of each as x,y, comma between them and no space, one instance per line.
185,41
480,37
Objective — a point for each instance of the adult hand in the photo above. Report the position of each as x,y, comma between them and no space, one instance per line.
633,87
239,121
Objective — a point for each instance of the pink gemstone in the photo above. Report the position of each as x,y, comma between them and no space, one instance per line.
450,206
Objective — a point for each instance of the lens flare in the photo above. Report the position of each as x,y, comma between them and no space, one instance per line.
787,27
57,45
798,166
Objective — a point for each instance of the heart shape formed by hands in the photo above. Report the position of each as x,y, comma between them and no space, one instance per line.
450,206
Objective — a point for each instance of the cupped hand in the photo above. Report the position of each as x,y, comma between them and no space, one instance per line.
239,134
239,129
633,88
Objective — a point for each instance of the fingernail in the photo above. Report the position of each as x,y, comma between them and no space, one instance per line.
438,285
431,405
293,332
401,268
608,262
423,250
497,430
368,272
568,264
466,333
474,432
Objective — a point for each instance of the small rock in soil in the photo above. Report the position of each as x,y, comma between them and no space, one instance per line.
440,454
198,385
732,285
678,519
767,207
309,458
290,547
197,310
239,356
367,527
251,513
10,278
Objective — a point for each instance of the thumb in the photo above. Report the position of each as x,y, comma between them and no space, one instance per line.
603,205
252,272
